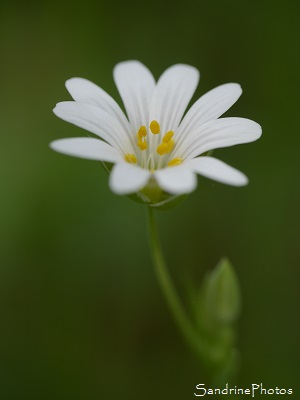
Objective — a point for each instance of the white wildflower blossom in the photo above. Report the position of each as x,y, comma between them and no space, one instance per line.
155,148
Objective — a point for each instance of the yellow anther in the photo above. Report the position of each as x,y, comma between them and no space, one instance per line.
142,144
170,146
142,132
130,158
154,127
168,136
175,161
162,149
165,148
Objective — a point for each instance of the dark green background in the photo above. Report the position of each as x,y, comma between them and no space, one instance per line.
82,316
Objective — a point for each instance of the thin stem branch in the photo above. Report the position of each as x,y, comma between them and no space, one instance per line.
170,294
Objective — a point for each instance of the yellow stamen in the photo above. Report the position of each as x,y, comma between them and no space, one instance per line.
142,132
162,149
168,136
142,144
141,136
165,148
170,146
130,158
175,161
154,127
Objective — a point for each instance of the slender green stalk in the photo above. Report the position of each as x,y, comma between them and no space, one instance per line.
173,301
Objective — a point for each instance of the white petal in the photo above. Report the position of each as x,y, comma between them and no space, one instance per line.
172,95
91,149
210,106
135,84
216,134
217,170
95,120
84,91
176,180
126,178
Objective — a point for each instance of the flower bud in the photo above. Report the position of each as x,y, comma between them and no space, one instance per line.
222,298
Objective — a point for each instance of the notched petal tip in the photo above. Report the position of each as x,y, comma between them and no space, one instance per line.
52,145
181,67
234,85
54,110
74,81
61,106
236,89
126,64
70,80
256,129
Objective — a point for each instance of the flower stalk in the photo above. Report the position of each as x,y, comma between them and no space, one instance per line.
170,294
211,341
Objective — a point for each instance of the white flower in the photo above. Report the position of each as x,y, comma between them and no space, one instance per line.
156,147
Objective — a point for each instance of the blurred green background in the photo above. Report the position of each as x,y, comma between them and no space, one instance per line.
82,316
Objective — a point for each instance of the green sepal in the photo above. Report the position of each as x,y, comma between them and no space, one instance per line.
169,203
166,204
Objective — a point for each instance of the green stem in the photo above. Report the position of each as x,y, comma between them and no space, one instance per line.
173,301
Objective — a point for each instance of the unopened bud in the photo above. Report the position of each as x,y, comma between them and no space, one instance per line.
222,300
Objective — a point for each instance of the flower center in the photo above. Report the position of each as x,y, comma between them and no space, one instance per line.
152,153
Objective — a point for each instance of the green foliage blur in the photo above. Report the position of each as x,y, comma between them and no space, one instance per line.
82,316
